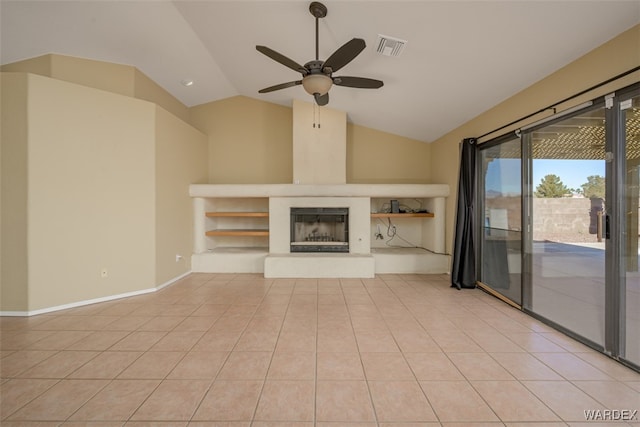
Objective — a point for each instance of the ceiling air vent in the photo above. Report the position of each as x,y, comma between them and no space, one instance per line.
389,46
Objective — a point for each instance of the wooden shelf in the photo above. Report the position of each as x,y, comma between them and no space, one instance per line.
241,232
244,232
402,215
238,214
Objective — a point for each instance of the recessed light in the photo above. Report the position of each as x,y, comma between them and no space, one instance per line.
186,82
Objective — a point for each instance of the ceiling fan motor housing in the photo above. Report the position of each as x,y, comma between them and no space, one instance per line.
314,67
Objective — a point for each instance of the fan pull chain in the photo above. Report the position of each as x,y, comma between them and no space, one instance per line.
314,115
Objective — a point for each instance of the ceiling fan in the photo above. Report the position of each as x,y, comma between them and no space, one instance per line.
317,75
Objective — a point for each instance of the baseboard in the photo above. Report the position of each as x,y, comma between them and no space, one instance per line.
171,281
92,301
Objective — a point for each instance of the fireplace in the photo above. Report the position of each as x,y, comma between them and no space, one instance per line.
319,229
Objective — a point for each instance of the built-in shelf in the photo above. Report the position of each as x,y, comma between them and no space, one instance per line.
402,215
232,232
238,214
239,250
238,232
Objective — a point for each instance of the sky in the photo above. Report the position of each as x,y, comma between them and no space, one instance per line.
572,173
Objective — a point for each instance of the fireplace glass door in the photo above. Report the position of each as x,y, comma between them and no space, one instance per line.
319,229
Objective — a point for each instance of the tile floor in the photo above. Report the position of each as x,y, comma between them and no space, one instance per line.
241,350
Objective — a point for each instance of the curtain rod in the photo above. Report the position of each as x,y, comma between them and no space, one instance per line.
553,106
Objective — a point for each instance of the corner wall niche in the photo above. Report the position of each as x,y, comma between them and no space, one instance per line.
247,229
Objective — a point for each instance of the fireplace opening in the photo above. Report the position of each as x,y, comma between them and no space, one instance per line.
319,229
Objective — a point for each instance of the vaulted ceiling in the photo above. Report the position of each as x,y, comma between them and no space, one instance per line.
461,57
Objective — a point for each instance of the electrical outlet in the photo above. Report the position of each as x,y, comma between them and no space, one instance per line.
104,273
178,257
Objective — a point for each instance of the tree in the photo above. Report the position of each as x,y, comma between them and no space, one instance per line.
594,187
551,186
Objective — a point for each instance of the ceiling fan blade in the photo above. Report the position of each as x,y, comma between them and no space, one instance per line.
278,57
322,99
358,82
280,86
344,55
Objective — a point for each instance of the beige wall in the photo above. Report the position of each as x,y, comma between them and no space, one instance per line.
105,178
115,78
147,89
13,181
181,159
614,57
375,157
39,65
250,141
107,76
91,200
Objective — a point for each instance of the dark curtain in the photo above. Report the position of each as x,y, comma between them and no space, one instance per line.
463,274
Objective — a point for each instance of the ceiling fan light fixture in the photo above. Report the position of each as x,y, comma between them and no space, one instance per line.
317,83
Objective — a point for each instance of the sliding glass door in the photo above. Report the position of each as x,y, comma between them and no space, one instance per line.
630,118
501,217
559,220
567,250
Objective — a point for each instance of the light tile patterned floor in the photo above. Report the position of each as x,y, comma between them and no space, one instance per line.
240,350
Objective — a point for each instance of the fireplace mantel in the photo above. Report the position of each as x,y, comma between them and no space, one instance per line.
319,190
